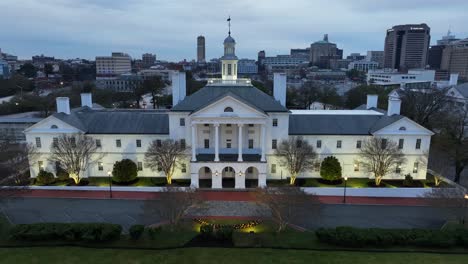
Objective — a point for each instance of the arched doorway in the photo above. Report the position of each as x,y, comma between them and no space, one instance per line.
204,177
228,177
251,177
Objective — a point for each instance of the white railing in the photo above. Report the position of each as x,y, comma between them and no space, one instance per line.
239,82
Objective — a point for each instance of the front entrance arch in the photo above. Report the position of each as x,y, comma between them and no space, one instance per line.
228,177
205,177
251,177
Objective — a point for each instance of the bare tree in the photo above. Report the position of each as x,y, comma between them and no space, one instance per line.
74,153
452,138
172,204
165,155
15,159
424,105
380,156
287,205
297,155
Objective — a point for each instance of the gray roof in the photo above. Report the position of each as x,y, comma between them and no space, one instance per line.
117,121
339,124
247,94
463,89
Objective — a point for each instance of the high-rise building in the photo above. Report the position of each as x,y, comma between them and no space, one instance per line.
406,46
455,58
201,49
301,53
321,52
260,60
112,66
435,52
376,56
148,59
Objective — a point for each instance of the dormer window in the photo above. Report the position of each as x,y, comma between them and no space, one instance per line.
228,110
402,129
53,127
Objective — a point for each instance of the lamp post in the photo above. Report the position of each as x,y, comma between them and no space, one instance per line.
466,209
344,194
109,173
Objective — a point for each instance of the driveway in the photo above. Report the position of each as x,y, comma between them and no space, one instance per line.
129,212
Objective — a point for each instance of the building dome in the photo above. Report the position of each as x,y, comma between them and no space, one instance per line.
229,39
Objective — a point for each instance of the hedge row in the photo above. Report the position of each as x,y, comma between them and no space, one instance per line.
220,234
375,237
66,232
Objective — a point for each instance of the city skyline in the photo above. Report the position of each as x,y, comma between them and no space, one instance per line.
87,28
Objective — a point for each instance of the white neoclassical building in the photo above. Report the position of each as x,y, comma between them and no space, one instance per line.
232,129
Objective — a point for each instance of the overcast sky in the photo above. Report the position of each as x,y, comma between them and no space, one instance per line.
86,28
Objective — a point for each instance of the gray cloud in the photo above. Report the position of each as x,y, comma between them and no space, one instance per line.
86,28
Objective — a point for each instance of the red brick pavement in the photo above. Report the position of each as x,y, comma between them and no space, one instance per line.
216,196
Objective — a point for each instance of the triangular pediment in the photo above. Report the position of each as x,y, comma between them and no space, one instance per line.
52,124
222,108
404,126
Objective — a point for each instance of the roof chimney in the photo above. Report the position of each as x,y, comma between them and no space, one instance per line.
394,106
86,100
63,105
279,87
179,88
372,101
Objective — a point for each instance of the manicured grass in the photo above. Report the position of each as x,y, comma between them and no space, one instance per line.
72,255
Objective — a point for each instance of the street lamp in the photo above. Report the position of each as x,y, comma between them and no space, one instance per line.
344,194
466,208
109,173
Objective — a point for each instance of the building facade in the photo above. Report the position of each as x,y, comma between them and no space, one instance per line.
406,47
395,78
114,65
363,65
148,60
233,130
376,56
201,49
322,51
247,67
455,58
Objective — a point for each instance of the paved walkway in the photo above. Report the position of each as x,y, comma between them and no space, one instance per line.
216,196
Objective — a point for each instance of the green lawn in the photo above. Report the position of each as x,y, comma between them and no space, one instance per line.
71,255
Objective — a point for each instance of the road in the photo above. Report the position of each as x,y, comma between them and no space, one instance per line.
129,212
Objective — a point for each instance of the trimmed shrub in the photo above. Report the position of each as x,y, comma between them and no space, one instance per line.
66,232
136,231
376,237
408,182
45,178
206,230
153,232
224,233
124,171
62,175
330,169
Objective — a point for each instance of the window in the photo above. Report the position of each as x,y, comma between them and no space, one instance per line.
182,122
138,143
251,143
398,168
317,166
98,143
274,144
118,143
140,165
228,125
207,143
383,143
100,166
228,109
184,168
229,69
401,142
159,167
55,142
418,143
251,125
182,143
319,143
158,143
41,165
415,167
402,128
273,168
356,166
38,142
358,144
298,143
228,143
207,125
275,122
53,126
338,144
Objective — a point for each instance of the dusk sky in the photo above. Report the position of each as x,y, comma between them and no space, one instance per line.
87,28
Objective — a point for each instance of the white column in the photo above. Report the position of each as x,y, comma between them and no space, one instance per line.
239,180
194,142
262,180
263,142
216,142
239,158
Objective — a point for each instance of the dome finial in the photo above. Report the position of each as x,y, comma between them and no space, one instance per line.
229,25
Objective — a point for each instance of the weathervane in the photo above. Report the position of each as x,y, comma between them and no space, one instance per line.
229,24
